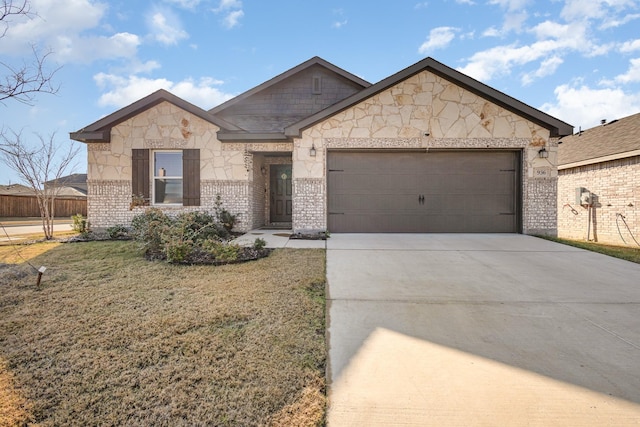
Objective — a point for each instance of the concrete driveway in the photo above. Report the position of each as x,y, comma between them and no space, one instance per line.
492,330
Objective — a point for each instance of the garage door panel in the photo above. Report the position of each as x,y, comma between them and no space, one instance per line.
423,192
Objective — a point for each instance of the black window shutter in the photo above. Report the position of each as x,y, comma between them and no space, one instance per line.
140,172
191,177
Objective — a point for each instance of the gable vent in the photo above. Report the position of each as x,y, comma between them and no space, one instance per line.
316,85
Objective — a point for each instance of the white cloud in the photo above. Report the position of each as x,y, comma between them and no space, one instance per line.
126,90
553,40
630,46
233,18
439,38
228,5
547,68
421,5
232,10
63,30
165,27
585,107
340,24
186,4
491,32
633,73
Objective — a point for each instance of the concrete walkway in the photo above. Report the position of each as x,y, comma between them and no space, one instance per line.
279,239
491,330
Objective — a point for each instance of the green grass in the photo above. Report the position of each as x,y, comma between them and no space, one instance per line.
627,253
112,339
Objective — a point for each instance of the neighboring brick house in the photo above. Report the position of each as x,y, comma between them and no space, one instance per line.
603,165
427,149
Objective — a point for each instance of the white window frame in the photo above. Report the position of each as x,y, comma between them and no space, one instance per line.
152,165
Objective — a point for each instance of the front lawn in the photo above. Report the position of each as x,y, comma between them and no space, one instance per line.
113,339
628,253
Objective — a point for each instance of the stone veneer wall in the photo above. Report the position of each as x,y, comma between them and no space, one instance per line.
224,170
427,112
616,185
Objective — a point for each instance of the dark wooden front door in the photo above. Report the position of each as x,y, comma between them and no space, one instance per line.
280,193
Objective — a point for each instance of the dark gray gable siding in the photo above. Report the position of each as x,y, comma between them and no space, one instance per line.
289,101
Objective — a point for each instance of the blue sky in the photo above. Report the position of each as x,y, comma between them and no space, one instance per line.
578,60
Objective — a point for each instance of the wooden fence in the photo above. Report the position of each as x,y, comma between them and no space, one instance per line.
27,206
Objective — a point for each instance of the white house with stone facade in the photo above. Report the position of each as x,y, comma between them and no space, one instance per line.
317,148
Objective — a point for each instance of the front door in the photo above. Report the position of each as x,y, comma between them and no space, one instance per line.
280,200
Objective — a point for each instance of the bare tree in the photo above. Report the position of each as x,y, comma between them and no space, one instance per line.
24,81
36,166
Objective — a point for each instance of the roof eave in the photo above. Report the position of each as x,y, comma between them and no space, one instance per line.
106,123
91,137
239,137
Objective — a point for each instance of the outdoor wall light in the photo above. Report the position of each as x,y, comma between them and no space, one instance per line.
543,153
312,150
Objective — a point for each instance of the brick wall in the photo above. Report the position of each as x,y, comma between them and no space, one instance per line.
616,186
309,207
108,202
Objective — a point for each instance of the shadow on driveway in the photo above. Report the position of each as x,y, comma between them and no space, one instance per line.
442,329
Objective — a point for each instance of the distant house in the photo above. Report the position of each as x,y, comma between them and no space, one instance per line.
599,183
19,201
76,181
427,149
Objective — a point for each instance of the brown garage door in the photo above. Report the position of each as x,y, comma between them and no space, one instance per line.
433,192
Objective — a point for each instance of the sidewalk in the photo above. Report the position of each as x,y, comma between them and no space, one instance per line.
279,239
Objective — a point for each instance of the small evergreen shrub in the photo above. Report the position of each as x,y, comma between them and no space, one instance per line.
79,224
259,244
118,231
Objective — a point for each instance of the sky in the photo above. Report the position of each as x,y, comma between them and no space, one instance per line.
578,60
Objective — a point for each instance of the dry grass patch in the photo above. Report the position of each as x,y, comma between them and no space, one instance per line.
17,253
628,253
112,339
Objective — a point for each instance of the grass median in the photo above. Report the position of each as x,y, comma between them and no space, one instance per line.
112,339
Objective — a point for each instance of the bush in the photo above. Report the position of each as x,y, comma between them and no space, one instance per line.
259,244
79,224
118,231
148,229
224,217
225,252
190,237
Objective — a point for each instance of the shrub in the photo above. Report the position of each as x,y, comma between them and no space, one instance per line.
224,217
259,244
118,231
148,229
178,250
79,223
190,237
201,226
224,252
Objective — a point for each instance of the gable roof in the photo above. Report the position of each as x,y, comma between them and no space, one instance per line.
100,131
610,141
556,127
316,60
263,112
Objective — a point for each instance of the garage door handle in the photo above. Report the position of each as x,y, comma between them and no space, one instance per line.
506,213
421,199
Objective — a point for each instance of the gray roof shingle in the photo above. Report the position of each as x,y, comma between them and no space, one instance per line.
616,138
